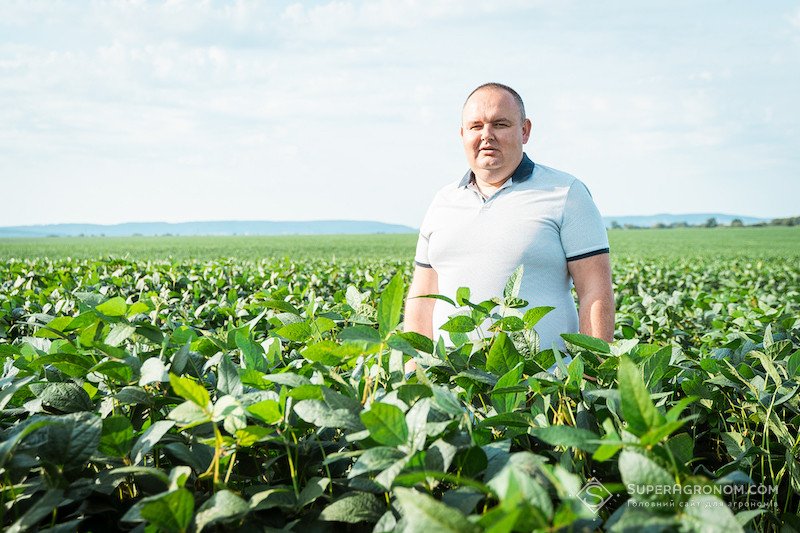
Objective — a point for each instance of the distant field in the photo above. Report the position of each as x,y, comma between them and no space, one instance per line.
395,247
764,243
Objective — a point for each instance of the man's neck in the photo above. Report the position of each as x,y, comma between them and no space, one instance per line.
488,188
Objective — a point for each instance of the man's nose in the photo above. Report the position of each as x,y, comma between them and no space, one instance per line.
487,134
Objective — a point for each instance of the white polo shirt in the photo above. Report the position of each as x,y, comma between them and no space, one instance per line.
541,218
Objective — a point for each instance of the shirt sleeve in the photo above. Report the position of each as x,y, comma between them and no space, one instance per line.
421,256
583,232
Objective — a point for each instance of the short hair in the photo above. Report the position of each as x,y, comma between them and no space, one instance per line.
500,87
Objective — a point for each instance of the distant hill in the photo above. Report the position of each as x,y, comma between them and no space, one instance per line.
693,219
314,227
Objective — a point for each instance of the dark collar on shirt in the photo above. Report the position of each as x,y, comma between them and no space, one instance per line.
523,173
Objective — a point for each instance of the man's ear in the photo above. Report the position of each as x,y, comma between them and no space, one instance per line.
526,131
461,130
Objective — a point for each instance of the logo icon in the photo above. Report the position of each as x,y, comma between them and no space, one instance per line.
594,495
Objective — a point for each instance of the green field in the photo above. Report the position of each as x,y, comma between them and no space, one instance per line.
256,384
762,242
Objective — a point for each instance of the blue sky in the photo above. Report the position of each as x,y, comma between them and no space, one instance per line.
129,111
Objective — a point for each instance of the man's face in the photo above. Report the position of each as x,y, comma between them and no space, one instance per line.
493,133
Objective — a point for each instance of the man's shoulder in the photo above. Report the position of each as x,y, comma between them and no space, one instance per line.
543,174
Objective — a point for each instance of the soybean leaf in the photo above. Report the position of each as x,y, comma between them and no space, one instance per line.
513,284
423,513
708,514
119,334
638,409
117,436
386,424
568,436
643,474
224,506
296,331
148,439
115,307
354,507
72,440
171,512
252,353
228,381
390,305
189,390
320,414
360,334
534,315
66,398
459,324
42,508
503,356
507,402
418,341
585,341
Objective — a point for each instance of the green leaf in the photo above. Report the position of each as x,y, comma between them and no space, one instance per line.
360,334
252,353
638,409
190,390
322,415
390,305
114,307
386,424
517,420
534,315
117,436
423,513
73,440
708,514
418,341
116,370
150,438
119,334
296,331
589,343
568,436
503,356
513,284
43,507
354,507
645,476
793,364
74,365
268,411
507,402
153,371
375,459
400,344
228,381
224,506
171,512
66,398
8,392
459,324
469,463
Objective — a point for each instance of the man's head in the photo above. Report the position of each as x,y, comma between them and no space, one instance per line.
494,128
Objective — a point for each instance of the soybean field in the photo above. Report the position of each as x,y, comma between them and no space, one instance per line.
257,384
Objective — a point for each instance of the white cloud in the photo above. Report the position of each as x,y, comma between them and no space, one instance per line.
338,102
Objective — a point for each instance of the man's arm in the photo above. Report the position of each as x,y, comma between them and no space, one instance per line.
592,279
419,311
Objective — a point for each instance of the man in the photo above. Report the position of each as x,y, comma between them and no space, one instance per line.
508,211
